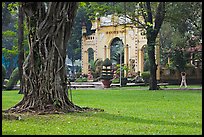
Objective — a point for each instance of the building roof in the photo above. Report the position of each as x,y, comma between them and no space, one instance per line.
110,19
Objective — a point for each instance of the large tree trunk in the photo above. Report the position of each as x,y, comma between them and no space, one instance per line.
152,32
20,47
153,65
44,71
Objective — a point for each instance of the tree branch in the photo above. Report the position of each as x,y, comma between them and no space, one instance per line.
160,13
149,12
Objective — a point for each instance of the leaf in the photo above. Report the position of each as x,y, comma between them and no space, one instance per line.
9,33
13,7
149,24
3,4
82,4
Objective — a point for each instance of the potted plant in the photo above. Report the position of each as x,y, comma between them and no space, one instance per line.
107,73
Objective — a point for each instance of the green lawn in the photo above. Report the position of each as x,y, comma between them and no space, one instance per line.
126,111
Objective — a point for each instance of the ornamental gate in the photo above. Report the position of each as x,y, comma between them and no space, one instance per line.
104,31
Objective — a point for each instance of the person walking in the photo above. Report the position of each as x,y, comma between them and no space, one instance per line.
183,79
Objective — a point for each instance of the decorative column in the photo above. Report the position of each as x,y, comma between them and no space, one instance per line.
136,49
158,60
108,52
126,57
126,54
83,44
104,52
85,63
95,55
141,59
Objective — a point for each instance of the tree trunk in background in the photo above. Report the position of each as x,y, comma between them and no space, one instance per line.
152,32
44,72
20,47
153,66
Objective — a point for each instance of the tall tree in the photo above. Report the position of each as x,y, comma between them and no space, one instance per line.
146,15
178,30
74,44
9,40
152,32
44,71
20,46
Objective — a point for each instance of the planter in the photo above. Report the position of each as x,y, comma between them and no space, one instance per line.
106,83
107,73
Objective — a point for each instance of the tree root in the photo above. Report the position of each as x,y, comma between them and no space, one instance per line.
50,110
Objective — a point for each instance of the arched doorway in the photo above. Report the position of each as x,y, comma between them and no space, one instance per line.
117,55
90,58
116,50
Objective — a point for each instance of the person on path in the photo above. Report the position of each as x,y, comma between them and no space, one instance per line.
183,79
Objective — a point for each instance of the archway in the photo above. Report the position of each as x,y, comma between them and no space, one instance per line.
116,50
105,41
90,54
90,58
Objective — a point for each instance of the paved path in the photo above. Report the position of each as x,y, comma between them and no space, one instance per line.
99,85
182,88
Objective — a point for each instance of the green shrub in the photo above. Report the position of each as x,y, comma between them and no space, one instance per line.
13,79
3,73
145,75
116,80
78,74
124,81
83,79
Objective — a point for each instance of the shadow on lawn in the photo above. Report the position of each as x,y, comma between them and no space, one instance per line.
119,117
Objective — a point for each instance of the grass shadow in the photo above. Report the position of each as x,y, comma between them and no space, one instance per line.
119,117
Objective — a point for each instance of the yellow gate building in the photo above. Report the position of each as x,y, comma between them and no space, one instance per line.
105,30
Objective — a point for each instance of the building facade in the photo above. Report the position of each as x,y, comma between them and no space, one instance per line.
105,31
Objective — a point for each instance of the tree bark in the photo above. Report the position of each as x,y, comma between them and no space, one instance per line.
152,32
153,66
20,47
44,72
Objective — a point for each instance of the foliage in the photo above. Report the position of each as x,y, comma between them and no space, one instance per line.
96,67
10,39
81,79
147,15
9,50
145,75
107,62
3,73
116,80
174,45
146,62
116,51
178,60
179,28
13,7
190,23
6,16
92,65
74,43
123,67
13,79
